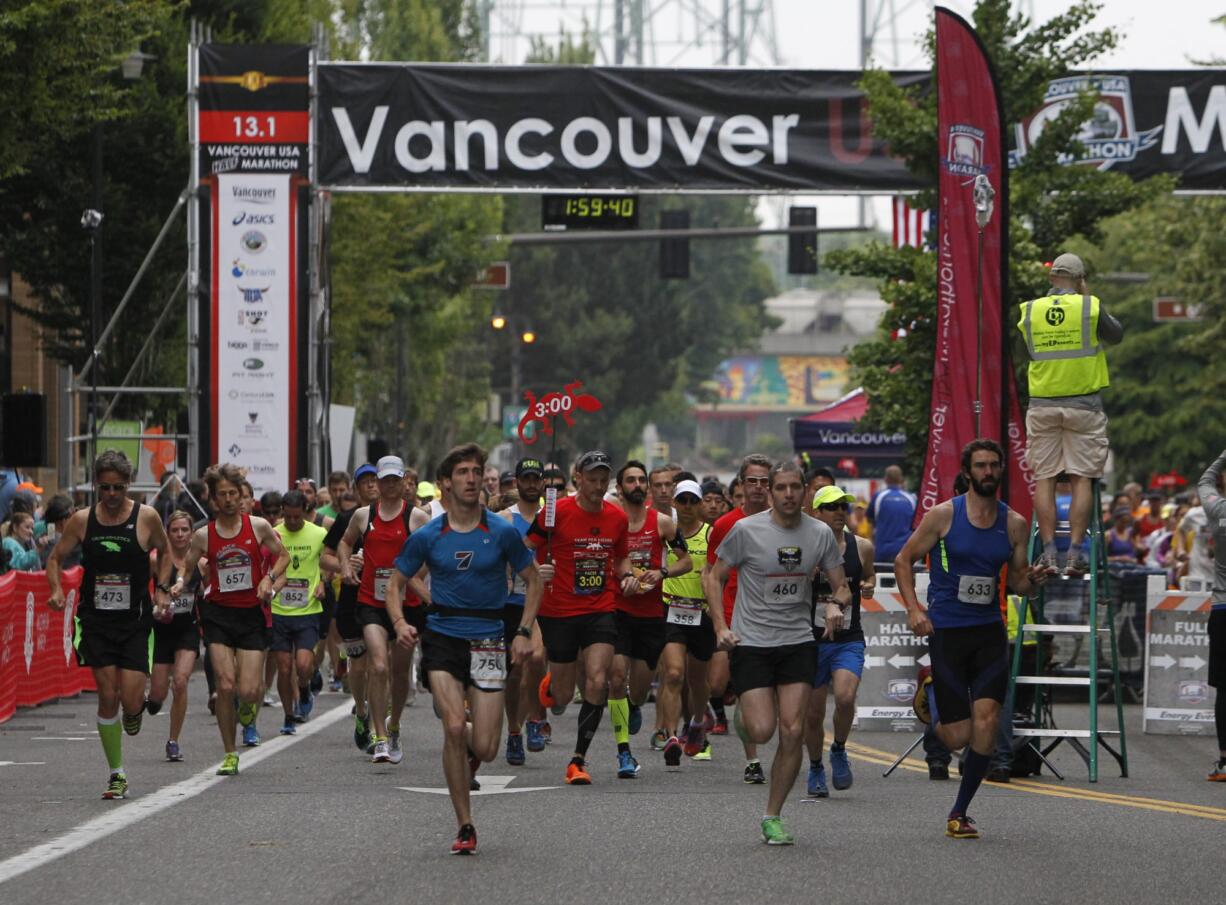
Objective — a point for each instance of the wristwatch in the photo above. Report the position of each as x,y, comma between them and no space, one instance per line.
664,569
524,632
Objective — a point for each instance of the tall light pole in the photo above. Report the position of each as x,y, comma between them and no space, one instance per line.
521,335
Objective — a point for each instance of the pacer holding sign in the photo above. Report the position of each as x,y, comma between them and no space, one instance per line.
464,646
971,537
231,612
774,657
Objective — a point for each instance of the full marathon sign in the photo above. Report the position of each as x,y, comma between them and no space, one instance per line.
1178,697
410,127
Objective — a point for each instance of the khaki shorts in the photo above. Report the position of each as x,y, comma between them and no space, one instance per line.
1067,440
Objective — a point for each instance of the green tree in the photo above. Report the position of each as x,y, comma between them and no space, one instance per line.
1049,203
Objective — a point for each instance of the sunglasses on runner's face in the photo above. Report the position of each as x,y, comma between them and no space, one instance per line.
833,507
107,488
760,482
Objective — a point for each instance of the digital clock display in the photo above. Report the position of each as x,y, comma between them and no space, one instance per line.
563,212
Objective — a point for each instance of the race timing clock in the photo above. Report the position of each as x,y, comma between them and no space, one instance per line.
563,212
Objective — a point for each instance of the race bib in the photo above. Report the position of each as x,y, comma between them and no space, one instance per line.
976,590
487,664
684,611
784,589
382,577
234,577
519,586
354,648
589,576
182,604
112,592
296,594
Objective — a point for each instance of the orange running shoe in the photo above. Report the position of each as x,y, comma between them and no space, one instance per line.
576,775
1218,773
543,692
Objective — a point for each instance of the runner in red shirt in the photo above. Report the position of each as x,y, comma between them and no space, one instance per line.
232,612
383,528
585,559
754,478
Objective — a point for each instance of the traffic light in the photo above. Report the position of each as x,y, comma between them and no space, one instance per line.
802,247
674,253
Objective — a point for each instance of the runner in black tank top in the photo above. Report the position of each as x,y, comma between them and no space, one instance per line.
114,610
840,659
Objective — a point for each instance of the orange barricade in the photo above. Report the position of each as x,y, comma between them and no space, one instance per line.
37,662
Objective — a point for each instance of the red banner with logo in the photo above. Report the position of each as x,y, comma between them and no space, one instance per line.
971,142
37,660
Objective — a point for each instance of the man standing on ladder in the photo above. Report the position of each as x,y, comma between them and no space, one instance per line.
1209,489
1066,426
971,538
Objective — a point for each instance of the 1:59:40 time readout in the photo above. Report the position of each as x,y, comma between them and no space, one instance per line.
597,207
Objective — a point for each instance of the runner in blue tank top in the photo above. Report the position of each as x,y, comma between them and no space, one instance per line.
971,538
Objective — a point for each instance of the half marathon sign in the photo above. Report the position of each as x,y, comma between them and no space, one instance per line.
464,127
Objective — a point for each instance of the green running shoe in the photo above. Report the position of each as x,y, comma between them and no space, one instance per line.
773,832
117,788
229,766
131,724
704,754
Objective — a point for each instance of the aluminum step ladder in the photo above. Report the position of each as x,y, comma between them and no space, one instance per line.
1099,582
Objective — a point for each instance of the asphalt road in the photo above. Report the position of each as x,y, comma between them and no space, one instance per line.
311,820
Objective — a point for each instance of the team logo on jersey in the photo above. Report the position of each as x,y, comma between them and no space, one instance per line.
110,546
789,556
1108,136
463,559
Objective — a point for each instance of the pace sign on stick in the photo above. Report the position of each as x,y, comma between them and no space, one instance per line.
544,411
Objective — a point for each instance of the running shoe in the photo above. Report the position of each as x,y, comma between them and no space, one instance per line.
466,841
1218,773
999,774
840,769
576,775
395,753
306,705
251,736
229,765
773,832
708,720
515,750
381,754
705,753
317,683
938,772
959,826
361,732
172,751
720,727
672,752
336,684
817,781
153,708
268,700
536,741
131,724
754,774
627,766
116,788
919,701
213,703
544,693
659,739
547,732
636,719
695,740
289,727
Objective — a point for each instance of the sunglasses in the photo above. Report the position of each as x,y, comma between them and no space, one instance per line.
834,507
107,488
759,482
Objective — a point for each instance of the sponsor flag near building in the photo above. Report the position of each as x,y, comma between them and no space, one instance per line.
971,141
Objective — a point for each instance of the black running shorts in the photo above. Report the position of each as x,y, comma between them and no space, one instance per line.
241,628
565,636
111,642
181,633
444,653
968,664
770,667
639,637
699,640
1217,649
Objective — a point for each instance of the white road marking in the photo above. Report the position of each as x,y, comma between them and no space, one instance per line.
58,738
23,763
123,815
490,785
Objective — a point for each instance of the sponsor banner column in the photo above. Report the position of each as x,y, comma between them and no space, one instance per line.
254,316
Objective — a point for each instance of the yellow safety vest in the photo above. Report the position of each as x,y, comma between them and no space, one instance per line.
1061,333
1013,622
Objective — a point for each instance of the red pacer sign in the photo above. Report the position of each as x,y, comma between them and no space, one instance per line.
553,405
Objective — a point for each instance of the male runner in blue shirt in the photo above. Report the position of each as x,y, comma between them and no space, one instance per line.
463,648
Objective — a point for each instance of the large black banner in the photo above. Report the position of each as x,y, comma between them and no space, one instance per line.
576,127
402,126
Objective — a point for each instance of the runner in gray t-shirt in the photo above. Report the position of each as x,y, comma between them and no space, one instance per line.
774,656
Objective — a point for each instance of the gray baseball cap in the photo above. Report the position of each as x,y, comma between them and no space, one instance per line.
1068,265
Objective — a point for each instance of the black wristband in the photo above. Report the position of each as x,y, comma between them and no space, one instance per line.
524,632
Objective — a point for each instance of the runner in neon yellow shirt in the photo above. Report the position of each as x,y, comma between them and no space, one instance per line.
295,611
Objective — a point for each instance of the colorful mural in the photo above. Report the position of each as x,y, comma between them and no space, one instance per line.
781,381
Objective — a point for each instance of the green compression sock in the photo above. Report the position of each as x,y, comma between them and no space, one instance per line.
619,716
111,735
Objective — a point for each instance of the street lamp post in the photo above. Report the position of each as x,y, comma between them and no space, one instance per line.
523,335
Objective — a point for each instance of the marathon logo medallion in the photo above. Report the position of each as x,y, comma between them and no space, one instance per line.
1109,136
789,556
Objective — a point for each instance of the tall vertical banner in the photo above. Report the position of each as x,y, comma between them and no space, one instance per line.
254,326
971,141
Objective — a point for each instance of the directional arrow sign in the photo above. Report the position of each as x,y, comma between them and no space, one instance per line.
1166,661
870,662
924,660
1191,662
490,785
899,660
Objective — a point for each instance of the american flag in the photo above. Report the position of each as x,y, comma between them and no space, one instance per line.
911,226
